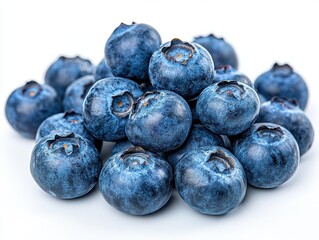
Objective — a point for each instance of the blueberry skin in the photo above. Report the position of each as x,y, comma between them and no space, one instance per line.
129,49
160,121
181,67
107,105
65,70
29,105
62,122
227,72
286,113
269,154
102,71
65,165
76,92
211,180
282,81
136,181
199,136
220,50
228,107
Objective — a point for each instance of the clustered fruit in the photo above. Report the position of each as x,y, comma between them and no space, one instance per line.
181,115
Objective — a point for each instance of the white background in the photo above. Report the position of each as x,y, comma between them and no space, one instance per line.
35,33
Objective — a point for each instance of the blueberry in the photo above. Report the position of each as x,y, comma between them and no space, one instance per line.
269,154
160,121
199,136
220,50
29,105
76,92
228,107
65,165
65,70
286,113
282,81
210,180
107,105
182,67
129,49
62,122
102,71
227,72
136,182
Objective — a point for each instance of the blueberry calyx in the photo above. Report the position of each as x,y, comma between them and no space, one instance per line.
64,58
211,35
75,60
143,97
134,156
66,141
69,116
31,89
179,51
134,149
222,162
285,102
231,88
122,104
269,132
282,70
148,93
123,27
127,25
224,69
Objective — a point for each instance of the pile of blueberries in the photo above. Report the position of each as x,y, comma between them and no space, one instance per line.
181,115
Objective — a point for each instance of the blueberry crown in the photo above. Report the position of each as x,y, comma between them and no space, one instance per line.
64,58
72,116
283,70
134,149
77,59
122,104
274,133
224,69
222,162
123,27
231,88
211,35
148,94
70,113
67,141
32,88
126,25
177,44
134,156
285,102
